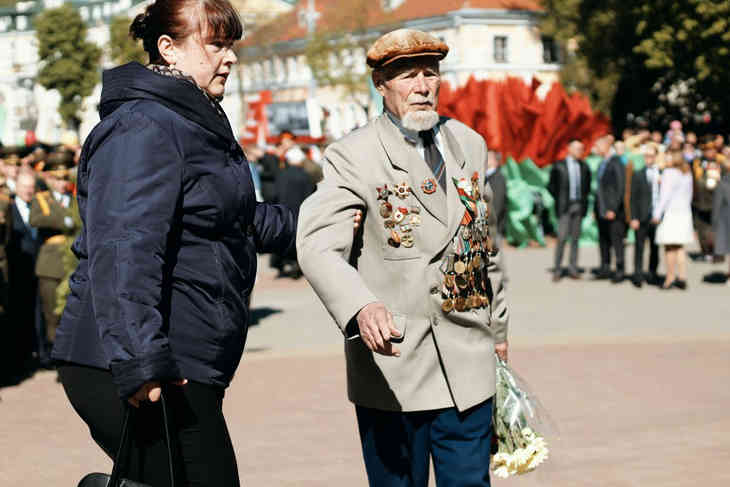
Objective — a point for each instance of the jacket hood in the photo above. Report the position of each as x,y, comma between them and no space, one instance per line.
134,81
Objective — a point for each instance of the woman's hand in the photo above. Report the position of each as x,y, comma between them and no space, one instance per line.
151,391
356,220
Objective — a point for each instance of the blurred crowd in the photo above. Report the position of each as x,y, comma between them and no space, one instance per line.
672,189
38,221
286,173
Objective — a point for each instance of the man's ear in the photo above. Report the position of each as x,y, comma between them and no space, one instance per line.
167,50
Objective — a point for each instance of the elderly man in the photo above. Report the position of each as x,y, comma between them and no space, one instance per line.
418,294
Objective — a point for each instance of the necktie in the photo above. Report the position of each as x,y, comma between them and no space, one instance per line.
433,158
574,179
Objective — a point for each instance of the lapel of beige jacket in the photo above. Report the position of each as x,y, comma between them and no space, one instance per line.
446,208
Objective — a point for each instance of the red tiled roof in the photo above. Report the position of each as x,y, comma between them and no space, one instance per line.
354,15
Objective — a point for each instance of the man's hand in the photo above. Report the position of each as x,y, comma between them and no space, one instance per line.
376,329
634,225
501,350
151,391
610,215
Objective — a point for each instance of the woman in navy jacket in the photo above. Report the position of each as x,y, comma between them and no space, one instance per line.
167,255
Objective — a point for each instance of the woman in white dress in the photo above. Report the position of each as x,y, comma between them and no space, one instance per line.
674,215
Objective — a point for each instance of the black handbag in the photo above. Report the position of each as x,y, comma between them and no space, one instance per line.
115,479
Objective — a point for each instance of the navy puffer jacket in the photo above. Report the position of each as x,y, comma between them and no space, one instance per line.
167,255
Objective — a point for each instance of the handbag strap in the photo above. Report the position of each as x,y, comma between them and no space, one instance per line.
125,446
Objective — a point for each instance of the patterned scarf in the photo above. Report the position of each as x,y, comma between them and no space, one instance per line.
177,74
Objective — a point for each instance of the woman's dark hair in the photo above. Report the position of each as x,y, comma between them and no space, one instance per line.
172,18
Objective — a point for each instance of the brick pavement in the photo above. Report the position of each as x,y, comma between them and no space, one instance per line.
637,383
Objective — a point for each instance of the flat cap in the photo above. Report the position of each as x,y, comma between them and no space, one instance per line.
404,43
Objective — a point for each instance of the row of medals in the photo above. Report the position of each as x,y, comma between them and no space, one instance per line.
399,220
465,271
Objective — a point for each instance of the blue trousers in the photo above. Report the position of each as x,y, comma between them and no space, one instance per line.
396,446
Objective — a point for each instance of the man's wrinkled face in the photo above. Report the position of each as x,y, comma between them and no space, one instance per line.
410,86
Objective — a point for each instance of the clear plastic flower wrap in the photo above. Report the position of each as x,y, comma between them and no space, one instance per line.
520,426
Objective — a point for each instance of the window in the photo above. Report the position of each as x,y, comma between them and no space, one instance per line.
550,51
390,5
500,49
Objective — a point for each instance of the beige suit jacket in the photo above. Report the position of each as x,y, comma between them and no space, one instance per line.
446,359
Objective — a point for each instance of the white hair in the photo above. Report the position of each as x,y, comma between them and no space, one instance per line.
420,120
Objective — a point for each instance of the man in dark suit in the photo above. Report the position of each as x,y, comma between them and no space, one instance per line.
644,197
610,211
22,253
570,185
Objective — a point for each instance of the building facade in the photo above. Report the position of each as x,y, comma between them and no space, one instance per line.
25,106
485,40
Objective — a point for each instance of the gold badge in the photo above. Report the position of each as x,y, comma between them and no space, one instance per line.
395,239
402,190
407,240
386,209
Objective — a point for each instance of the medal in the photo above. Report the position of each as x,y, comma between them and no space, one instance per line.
407,240
416,210
384,192
398,216
405,228
429,186
459,267
415,220
402,190
386,209
389,224
394,240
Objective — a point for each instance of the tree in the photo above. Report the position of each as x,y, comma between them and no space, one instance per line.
122,47
68,62
655,59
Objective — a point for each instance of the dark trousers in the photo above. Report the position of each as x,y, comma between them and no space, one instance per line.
202,448
397,446
646,231
569,225
611,235
705,234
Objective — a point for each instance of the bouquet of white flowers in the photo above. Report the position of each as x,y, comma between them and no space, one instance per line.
517,417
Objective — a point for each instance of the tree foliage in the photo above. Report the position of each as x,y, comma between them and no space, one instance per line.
69,62
658,59
330,51
122,47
